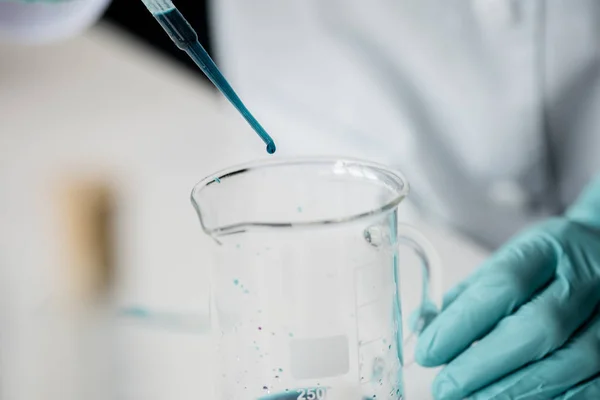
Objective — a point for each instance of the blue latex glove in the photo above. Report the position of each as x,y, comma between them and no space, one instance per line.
526,325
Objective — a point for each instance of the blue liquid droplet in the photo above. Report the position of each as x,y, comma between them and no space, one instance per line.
271,148
236,281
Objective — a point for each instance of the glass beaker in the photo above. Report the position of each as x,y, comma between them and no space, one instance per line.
304,285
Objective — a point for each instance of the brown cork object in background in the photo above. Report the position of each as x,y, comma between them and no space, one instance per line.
87,213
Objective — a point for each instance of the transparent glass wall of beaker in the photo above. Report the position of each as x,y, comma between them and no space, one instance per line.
304,280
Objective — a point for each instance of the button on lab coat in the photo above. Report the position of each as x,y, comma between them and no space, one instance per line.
490,107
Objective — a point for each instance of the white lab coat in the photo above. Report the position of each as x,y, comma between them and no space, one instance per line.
490,107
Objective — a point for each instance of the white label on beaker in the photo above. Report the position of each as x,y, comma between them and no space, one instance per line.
320,358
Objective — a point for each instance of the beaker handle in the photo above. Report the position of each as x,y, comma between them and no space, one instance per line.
431,298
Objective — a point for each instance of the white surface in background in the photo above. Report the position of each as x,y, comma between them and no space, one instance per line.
101,104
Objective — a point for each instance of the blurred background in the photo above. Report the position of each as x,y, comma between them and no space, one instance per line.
96,167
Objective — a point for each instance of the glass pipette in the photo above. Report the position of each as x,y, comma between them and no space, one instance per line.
186,39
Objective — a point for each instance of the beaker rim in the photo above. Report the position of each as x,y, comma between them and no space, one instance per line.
398,177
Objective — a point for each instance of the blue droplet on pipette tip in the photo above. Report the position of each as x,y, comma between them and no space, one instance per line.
271,148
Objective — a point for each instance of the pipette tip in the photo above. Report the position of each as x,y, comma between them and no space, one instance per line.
184,36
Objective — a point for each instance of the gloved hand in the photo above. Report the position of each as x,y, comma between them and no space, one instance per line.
526,325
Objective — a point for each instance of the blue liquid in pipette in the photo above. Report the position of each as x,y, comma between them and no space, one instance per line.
186,39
